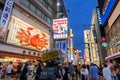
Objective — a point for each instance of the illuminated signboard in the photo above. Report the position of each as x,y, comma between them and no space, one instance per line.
25,35
50,55
86,36
99,16
5,18
107,11
60,29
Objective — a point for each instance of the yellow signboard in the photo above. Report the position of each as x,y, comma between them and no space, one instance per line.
50,55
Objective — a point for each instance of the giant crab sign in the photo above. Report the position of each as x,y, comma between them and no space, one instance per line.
39,41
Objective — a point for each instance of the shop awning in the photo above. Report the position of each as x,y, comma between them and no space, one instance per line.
113,56
5,54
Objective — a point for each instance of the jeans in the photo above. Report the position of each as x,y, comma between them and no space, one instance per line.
114,78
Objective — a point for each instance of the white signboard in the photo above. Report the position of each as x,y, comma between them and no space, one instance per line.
25,35
60,29
86,36
5,18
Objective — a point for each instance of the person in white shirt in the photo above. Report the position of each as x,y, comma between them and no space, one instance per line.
84,72
106,72
9,70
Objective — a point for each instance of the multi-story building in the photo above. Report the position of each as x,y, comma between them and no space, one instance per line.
60,30
110,14
91,48
28,30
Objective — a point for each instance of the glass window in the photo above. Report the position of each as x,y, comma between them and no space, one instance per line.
39,13
36,10
48,20
43,15
45,18
26,3
49,8
41,1
32,7
44,3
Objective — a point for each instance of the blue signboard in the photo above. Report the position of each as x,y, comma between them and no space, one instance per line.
109,7
5,17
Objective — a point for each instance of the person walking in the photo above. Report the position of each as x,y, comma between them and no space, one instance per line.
9,71
24,72
65,72
38,72
71,70
84,72
113,73
34,71
106,73
94,72
58,72
1,70
101,72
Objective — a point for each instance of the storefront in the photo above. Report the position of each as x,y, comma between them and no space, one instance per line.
24,41
114,37
112,29
17,54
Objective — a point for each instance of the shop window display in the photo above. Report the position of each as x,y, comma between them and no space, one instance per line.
114,36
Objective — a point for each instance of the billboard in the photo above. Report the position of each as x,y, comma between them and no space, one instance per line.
25,35
107,10
60,28
86,36
5,18
50,55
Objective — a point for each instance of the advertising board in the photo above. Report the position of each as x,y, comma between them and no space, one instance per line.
60,29
25,35
50,55
5,18
86,36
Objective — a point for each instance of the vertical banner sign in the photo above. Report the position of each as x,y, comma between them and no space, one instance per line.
71,49
5,18
60,29
99,16
86,36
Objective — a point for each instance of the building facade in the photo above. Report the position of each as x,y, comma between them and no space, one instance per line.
111,23
29,28
61,30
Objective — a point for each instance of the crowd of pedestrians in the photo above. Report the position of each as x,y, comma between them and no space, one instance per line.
63,71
